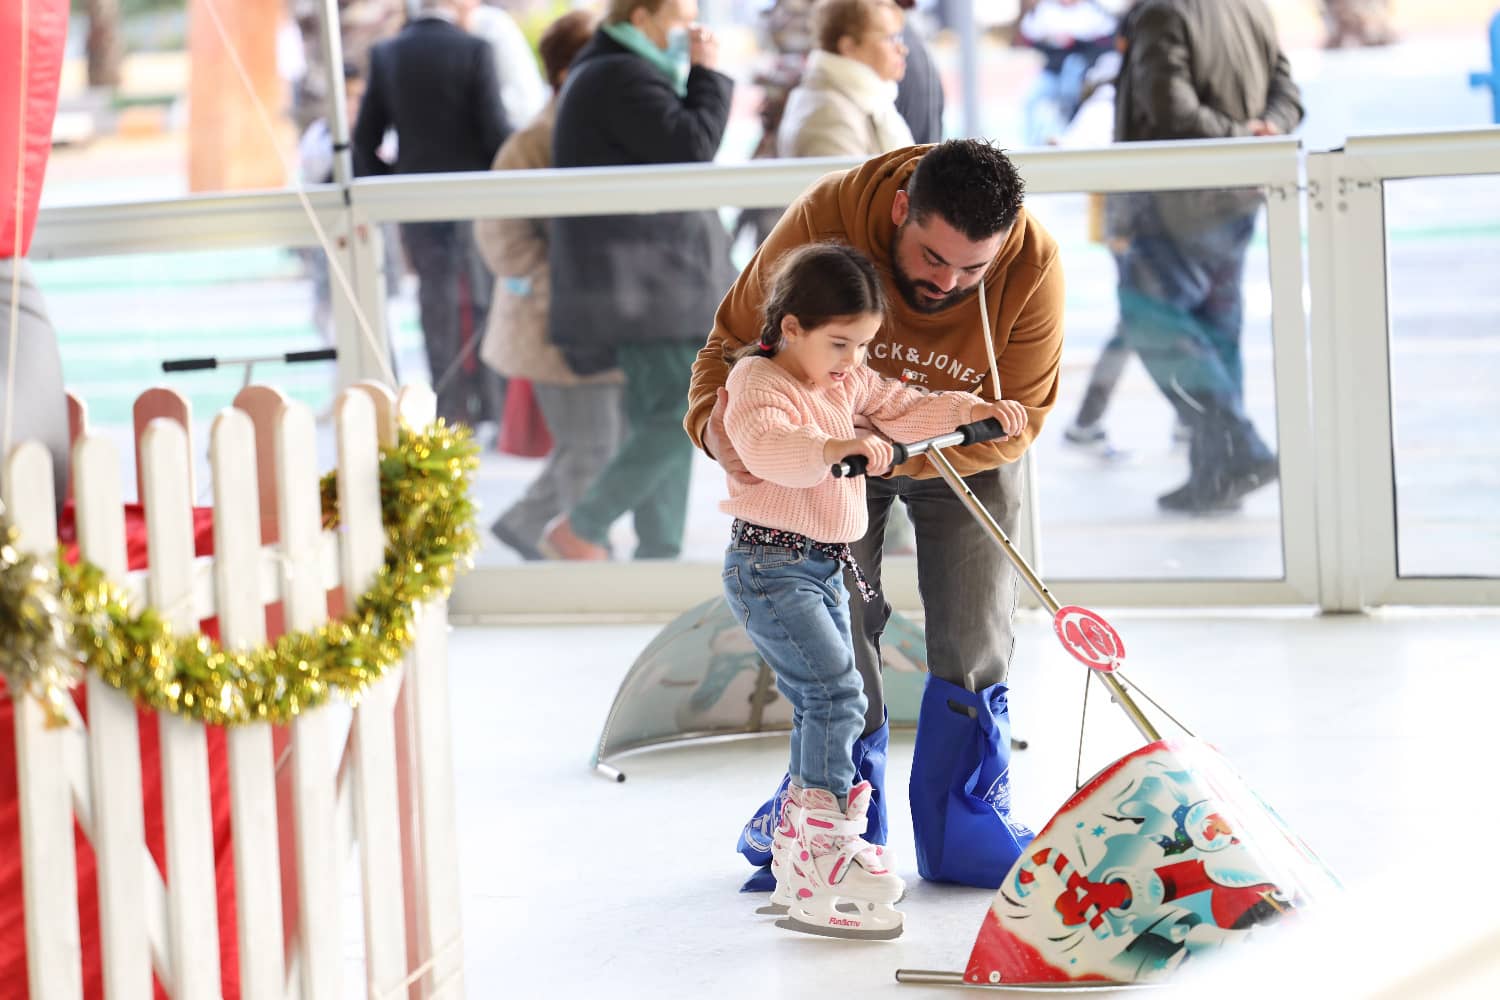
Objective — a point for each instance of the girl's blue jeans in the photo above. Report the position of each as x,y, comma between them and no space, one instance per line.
794,607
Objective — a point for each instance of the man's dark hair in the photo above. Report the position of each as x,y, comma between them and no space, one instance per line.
970,185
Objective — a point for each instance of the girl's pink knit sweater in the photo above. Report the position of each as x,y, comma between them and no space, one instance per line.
779,426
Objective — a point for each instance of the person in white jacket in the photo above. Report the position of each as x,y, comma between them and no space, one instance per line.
523,92
846,102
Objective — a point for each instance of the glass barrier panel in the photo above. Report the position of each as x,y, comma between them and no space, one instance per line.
120,318
1161,470
1442,241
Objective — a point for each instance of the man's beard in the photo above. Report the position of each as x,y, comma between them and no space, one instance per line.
910,287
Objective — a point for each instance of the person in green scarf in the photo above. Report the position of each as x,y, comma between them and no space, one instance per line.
638,291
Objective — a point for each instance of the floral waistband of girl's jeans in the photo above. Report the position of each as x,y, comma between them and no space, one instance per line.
755,534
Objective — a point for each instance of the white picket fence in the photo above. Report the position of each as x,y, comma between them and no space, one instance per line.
389,792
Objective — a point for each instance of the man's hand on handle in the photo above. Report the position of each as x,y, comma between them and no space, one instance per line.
1011,414
716,440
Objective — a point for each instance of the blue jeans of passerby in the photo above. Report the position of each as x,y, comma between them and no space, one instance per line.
1054,98
1182,301
794,607
1182,310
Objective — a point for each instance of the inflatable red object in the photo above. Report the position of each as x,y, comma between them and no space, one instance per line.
26,112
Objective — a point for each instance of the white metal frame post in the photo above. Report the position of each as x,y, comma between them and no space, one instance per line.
1334,293
365,264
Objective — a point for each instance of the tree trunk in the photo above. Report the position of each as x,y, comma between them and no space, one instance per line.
104,49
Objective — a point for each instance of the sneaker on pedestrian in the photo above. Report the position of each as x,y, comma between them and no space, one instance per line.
1093,439
561,542
512,539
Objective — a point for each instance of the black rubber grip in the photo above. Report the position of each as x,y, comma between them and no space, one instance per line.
983,430
856,465
189,364
321,354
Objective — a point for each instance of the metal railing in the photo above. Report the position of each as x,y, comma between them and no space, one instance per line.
1334,432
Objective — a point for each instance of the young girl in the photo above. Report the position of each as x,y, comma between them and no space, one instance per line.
791,403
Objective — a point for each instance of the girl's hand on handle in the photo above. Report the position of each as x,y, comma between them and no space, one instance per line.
1011,414
876,449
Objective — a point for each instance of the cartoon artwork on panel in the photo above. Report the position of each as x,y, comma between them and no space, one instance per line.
1164,855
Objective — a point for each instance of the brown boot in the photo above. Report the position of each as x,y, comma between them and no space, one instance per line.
559,541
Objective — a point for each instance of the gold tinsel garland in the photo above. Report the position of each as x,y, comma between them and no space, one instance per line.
34,654
429,525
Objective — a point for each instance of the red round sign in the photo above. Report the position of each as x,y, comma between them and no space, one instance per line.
1091,639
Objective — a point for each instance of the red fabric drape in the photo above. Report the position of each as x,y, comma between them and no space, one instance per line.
28,121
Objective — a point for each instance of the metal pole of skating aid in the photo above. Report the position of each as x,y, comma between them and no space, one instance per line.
605,771
929,977
997,533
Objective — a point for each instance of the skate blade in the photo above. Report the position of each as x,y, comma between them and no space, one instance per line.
792,923
781,909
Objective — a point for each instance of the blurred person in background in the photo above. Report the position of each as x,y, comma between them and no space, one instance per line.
583,412
846,102
522,90
638,291
919,93
785,28
1357,22
1198,69
1071,35
435,85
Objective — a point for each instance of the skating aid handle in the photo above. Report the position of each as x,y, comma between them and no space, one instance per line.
290,358
980,430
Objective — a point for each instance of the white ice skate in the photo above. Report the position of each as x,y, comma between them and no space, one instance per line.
781,845
838,882
782,841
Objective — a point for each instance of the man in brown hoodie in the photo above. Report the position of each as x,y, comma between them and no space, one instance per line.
936,220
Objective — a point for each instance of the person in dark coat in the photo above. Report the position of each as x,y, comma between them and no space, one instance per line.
919,94
639,291
435,84
1199,69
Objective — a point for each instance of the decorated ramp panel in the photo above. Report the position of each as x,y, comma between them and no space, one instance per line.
701,678
1164,856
